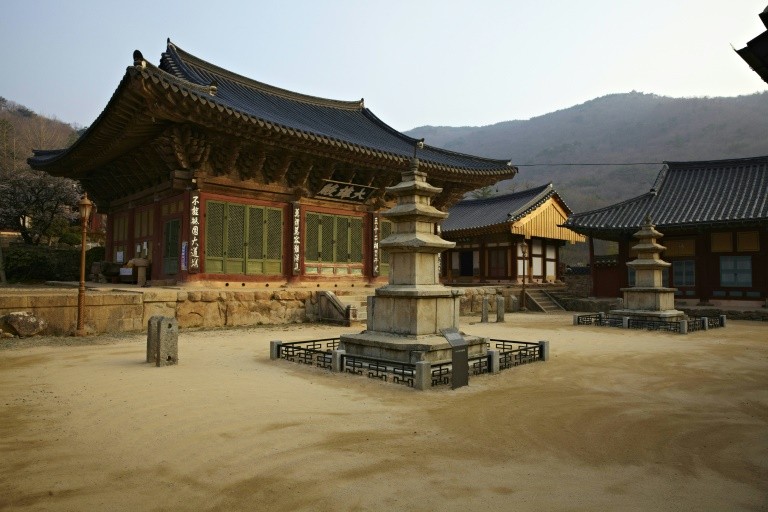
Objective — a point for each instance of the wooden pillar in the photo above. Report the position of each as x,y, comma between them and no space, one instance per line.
591,265
705,267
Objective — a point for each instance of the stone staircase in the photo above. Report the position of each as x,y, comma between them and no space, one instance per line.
539,300
357,298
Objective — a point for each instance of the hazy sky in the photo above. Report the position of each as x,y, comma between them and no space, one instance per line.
416,62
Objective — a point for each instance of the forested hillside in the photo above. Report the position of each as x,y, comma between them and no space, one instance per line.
621,129
39,206
22,130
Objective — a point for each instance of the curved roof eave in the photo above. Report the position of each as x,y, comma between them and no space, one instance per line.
52,156
496,167
492,168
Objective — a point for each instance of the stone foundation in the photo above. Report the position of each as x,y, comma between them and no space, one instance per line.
406,349
121,311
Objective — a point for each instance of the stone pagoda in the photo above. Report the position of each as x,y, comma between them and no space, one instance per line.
648,298
406,316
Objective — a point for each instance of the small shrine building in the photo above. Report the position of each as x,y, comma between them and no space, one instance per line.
213,176
490,232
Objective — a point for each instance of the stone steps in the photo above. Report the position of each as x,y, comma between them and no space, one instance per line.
357,299
544,301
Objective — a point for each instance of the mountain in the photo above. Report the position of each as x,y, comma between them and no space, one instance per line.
615,129
22,130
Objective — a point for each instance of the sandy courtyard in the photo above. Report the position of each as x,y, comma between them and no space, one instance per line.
616,420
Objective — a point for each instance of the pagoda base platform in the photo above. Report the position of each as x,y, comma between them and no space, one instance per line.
406,349
668,315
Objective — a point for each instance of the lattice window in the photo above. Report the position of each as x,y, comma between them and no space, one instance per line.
342,239
243,239
327,225
684,272
736,271
236,231
255,233
355,240
312,239
214,230
333,239
274,234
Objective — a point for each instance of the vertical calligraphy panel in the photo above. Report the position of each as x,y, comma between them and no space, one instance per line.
194,232
296,239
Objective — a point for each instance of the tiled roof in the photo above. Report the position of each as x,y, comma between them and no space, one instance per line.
686,194
495,210
756,52
345,121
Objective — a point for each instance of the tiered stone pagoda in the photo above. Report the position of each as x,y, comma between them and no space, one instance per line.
406,316
648,298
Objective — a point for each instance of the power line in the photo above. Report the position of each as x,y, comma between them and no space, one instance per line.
588,164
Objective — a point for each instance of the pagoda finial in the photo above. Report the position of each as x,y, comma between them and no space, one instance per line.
647,221
419,145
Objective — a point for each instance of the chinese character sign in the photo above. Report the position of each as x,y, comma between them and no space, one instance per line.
296,239
345,191
375,250
194,242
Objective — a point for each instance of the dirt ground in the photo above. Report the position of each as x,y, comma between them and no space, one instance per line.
616,420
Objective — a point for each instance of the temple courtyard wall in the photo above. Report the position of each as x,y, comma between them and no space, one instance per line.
129,309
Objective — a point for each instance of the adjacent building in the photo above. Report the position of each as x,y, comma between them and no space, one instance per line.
756,52
213,176
714,218
505,237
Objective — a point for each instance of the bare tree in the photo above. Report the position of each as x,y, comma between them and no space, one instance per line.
33,202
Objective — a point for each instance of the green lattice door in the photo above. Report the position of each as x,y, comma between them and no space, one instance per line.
243,239
171,236
234,234
264,241
333,244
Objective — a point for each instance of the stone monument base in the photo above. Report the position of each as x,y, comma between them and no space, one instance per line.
406,349
669,315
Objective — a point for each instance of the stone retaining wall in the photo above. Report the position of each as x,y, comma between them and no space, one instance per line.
104,312
118,311
578,285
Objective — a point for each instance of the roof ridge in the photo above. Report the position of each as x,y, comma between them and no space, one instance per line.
412,140
660,178
499,197
185,57
719,162
535,202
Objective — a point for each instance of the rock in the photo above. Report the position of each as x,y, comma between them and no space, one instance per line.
25,323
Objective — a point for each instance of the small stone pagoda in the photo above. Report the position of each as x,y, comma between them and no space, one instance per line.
406,316
648,298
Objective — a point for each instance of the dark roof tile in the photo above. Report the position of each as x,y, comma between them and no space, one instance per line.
344,121
687,193
495,210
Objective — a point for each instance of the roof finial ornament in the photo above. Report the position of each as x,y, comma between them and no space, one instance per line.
138,59
213,88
